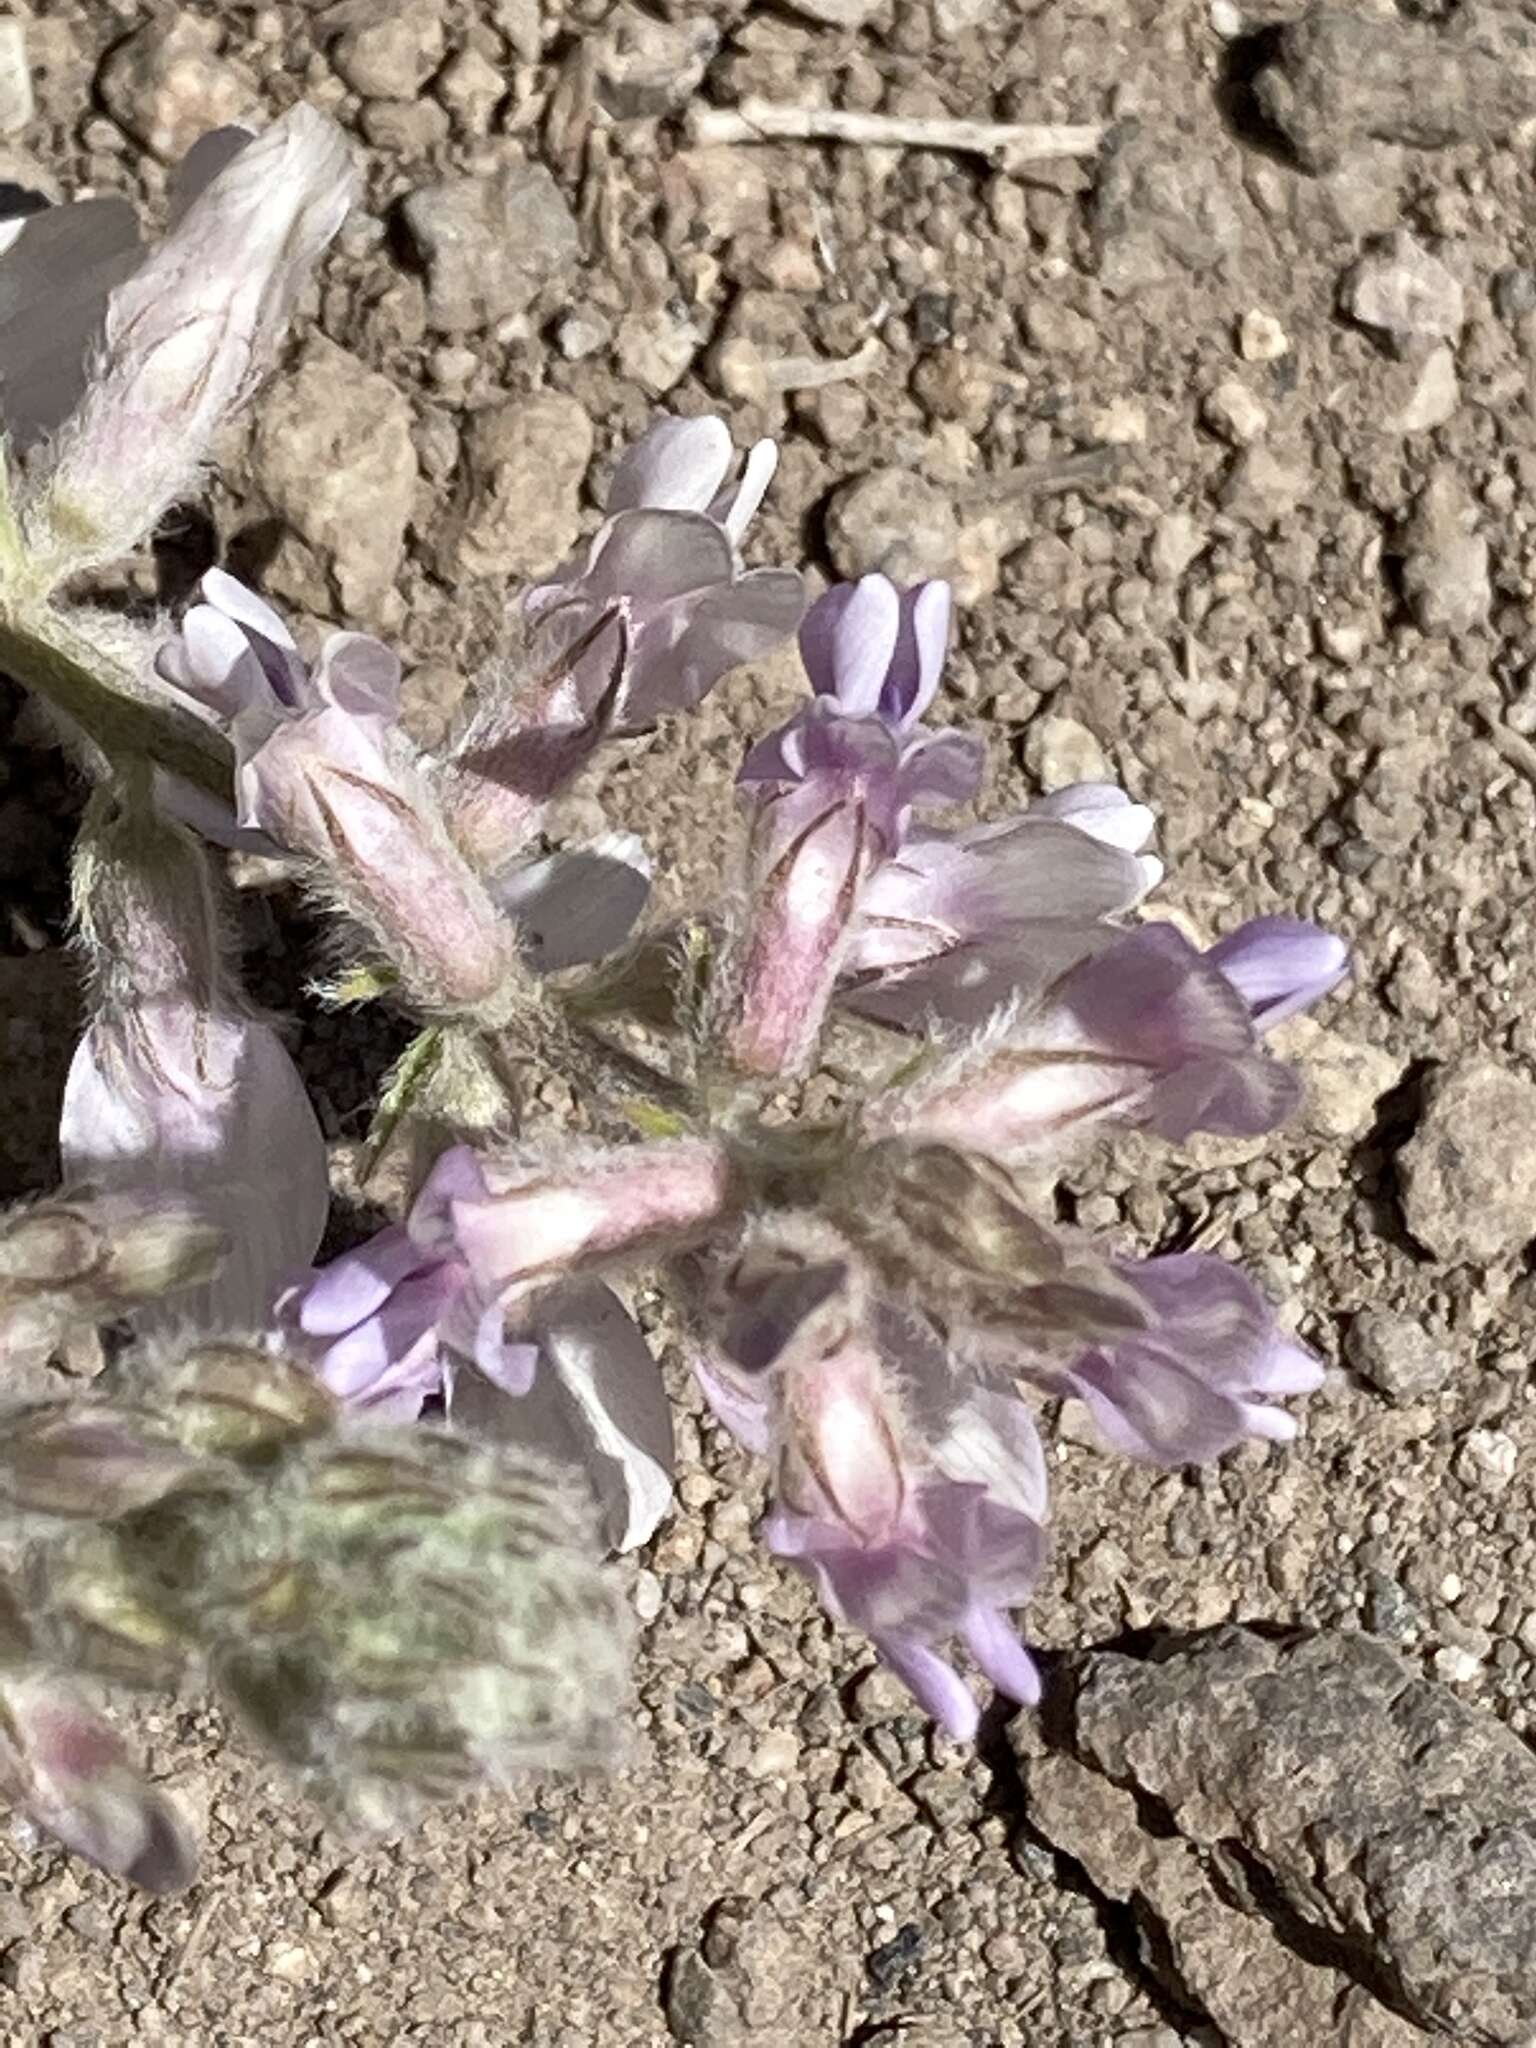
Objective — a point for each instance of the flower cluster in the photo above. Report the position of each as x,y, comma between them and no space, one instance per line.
365,1502
873,1302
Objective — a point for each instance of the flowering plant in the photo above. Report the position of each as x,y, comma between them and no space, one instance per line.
365,1502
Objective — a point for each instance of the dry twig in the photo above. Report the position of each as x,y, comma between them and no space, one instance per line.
1004,142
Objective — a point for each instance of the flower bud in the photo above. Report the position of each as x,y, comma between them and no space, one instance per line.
85,1460
242,1401
803,904
186,338
519,1226
444,1619
68,1264
171,1086
95,1612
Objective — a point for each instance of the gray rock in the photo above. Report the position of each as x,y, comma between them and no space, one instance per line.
1344,1077
524,462
490,245
391,53
166,86
1404,293
334,458
701,2012
1162,207
1344,76
1316,1799
1468,1174
1514,292
647,67
1445,559
1435,395
895,522
1175,542
1397,1355
655,349
1264,485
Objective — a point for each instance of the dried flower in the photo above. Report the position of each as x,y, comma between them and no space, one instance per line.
186,338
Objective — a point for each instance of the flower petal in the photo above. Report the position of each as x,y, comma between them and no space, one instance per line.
677,467
597,1402
357,1284
918,661
577,905
935,1684
212,1108
70,1771
56,274
847,641
1280,965
990,1638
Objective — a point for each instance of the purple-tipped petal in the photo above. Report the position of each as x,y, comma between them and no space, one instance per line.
848,641
357,1284
1195,1383
917,662
360,675
1280,965
935,1684
1001,1657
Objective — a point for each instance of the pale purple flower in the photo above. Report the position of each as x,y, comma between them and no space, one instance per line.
320,771
57,270
522,1224
208,1107
956,924
643,621
401,1322
914,1497
1148,1031
831,795
1203,1376
666,561
59,266
379,1322
185,338
874,656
